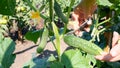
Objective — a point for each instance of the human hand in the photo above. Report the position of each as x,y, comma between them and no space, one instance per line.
114,54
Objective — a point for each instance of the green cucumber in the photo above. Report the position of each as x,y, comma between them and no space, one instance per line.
59,13
82,44
43,41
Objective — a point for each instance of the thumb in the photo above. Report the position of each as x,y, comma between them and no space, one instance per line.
115,50
115,38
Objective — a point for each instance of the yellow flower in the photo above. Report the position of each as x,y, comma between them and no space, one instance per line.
35,15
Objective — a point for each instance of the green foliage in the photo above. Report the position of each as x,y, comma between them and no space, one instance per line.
33,35
69,59
104,3
7,7
7,47
75,59
54,12
110,9
115,1
65,4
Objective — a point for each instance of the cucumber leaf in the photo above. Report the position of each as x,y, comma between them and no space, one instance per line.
7,7
7,47
75,59
33,35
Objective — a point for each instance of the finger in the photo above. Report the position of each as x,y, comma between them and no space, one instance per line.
87,26
74,23
87,29
89,21
115,59
100,57
75,17
104,57
115,51
115,38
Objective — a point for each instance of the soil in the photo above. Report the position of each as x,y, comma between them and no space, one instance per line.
26,50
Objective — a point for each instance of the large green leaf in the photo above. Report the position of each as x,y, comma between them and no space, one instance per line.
75,59
33,35
7,7
7,47
104,3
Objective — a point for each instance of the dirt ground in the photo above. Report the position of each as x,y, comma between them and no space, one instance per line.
25,51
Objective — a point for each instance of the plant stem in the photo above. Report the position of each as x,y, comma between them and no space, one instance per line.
70,7
69,10
55,30
51,4
30,4
104,22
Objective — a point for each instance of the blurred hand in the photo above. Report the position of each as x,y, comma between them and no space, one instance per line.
114,54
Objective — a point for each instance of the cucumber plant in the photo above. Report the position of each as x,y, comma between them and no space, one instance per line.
53,12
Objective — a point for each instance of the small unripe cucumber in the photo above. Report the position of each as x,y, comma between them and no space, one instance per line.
43,41
85,45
